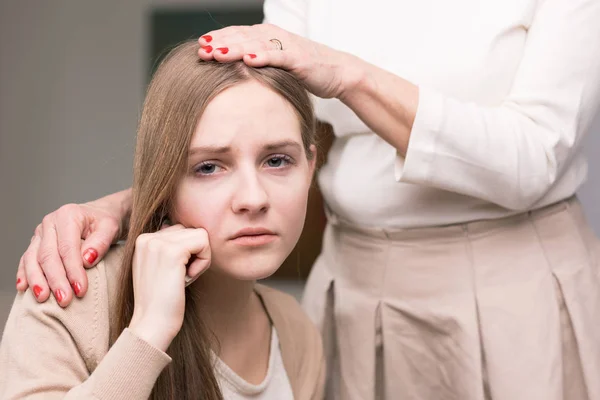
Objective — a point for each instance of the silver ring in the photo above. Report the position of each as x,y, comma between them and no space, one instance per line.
277,43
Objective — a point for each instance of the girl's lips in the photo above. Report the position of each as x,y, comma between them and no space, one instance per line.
254,240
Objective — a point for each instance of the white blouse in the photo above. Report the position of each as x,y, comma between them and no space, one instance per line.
508,90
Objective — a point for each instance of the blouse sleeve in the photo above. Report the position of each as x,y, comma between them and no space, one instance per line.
512,154
287,14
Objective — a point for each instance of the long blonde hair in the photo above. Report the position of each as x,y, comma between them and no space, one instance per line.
179,92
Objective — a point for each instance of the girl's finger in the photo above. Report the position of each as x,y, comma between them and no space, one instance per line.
197,267
166,228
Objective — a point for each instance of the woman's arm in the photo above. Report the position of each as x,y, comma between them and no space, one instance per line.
510,154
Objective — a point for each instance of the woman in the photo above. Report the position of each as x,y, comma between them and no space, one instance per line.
457,263
232,177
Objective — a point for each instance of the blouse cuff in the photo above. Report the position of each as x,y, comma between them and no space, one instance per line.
417,166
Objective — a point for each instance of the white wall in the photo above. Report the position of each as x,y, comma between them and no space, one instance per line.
72,77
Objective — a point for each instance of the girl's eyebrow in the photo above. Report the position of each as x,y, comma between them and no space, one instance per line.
210,149
283,144
226,149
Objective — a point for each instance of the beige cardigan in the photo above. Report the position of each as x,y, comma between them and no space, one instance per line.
48,352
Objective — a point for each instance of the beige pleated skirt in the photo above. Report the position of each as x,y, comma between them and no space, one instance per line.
503,310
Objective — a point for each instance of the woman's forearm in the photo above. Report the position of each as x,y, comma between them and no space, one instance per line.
386,103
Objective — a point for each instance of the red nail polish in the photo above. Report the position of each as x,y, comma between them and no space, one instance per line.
207,38
223,50
59,295
76,288
18,281
207,49
37,291
90,256
252,55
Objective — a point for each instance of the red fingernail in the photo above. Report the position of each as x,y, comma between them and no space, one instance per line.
207,49
223,50
37,291
90,256
18,281
208,38
76,288
252,55
59,295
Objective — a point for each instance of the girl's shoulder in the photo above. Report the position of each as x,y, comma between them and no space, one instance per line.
82,326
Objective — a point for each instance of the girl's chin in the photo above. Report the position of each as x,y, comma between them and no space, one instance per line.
250,267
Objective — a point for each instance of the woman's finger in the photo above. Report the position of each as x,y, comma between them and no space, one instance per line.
51,263
227,34
33,272
231,43
69,232
97,242
21,276
235,51
274,58
219,42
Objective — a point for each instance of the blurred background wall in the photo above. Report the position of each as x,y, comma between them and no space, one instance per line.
72,78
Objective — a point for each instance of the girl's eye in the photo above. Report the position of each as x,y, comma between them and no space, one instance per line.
279,161
207,168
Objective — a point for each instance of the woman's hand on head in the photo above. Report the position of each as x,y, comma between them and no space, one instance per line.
70,239
325,72
163,262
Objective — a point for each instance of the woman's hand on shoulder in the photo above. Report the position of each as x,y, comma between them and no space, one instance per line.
163,263
70,239
326,72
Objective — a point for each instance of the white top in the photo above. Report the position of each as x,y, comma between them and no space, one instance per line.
508,89
275,386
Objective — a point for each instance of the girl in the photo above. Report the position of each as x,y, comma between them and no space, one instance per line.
457,262
232,177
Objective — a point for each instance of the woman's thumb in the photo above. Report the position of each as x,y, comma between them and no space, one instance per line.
98,242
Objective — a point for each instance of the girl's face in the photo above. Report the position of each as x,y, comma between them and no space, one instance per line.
247,181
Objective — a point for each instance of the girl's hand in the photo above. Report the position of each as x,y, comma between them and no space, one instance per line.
161,263
326,72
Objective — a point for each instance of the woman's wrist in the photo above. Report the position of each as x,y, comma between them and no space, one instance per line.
385,102
354,75
118,204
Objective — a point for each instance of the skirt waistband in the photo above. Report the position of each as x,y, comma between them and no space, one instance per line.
452,231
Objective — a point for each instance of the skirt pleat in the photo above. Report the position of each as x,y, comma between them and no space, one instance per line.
502,310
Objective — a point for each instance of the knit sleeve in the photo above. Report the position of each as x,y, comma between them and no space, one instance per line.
48,352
